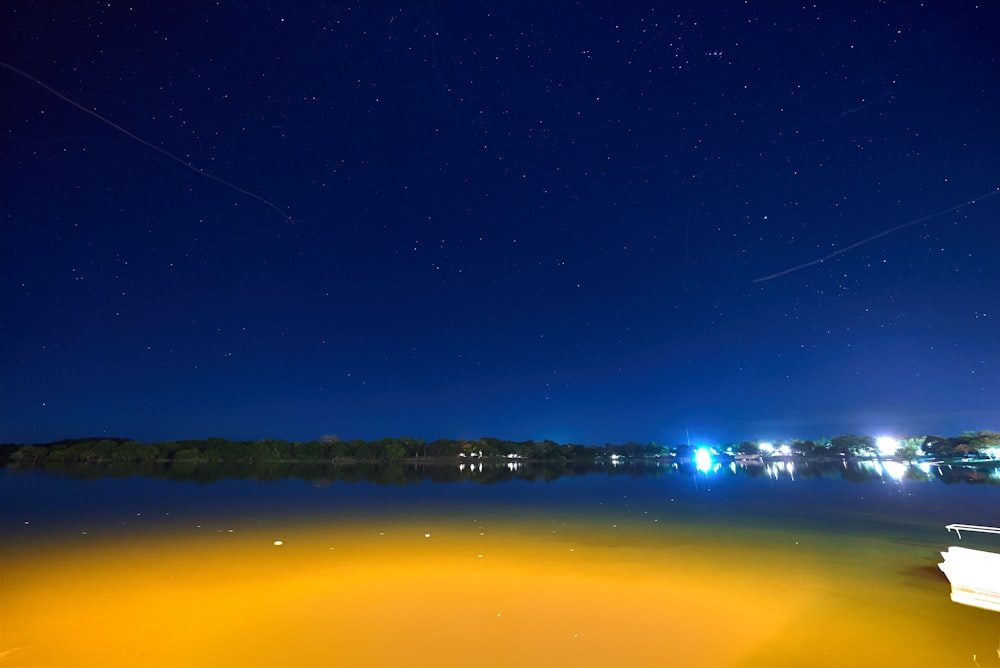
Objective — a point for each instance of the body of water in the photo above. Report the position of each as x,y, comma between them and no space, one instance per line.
780,565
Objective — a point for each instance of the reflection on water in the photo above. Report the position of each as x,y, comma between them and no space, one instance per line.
494,471
736,565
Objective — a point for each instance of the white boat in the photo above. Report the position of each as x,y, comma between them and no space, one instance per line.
974,574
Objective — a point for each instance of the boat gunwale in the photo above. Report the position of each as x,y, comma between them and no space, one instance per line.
959,528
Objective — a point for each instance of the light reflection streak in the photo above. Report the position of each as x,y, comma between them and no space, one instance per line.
886,468
895,470
781,468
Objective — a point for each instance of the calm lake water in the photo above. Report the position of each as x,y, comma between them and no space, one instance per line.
788,565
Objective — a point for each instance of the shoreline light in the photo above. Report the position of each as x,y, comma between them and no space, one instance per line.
886,445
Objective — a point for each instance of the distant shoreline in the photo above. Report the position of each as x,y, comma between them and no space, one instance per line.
982,446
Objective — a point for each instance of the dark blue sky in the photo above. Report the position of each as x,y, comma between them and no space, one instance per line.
523,220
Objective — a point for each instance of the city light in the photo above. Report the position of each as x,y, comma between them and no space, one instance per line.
886,445
703,460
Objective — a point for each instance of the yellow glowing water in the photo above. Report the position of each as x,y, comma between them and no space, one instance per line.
442,590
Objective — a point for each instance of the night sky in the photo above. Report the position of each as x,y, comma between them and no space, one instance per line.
588,222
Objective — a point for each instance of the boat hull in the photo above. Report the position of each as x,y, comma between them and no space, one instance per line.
974,576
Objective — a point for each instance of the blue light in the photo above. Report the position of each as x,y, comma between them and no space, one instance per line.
703,460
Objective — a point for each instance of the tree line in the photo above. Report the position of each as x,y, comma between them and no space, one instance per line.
326,448
332,449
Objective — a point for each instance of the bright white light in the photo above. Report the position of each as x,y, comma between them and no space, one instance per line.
887,445
766,448
703,460
778,469
895,470
785,450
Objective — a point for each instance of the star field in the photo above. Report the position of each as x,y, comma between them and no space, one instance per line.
588,222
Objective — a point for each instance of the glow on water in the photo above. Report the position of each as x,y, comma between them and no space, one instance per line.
498,585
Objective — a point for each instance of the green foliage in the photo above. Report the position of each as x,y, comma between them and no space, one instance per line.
984,439
909,448
443,447
30,453
89,450
392,450
271,450
190,455
852,444
819,448
312,451
338,450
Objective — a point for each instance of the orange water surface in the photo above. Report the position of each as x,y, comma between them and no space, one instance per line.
497,590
